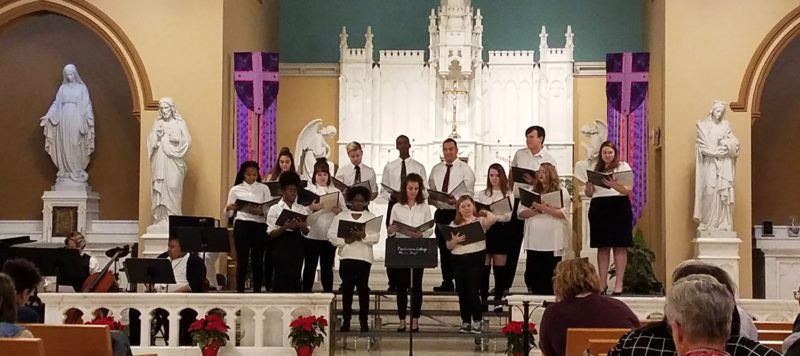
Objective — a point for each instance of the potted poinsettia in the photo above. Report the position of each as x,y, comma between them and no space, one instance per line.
109,321
514,334
307,333
210,333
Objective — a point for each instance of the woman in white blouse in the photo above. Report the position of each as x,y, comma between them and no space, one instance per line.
317,248
355,256
497,244
249,227
610,218
546,232
468,261
412,211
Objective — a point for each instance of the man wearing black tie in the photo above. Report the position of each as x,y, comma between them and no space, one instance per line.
445,176
393,176
355,171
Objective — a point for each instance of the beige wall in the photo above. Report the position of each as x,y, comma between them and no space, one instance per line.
652,218
185,45
248,26
302,99
708,45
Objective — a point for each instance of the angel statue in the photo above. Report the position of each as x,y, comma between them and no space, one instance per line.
596,134
311,145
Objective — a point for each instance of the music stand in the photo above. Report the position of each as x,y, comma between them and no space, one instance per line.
149,271
53,259
411,254
203,239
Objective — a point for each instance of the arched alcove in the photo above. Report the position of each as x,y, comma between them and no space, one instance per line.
36,46
776,141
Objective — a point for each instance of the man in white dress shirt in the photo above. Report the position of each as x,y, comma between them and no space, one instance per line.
446,176
530,157
357,172
394,173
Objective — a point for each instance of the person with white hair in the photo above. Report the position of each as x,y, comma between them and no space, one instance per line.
657,339
699,310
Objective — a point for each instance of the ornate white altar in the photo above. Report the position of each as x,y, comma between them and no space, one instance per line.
781,261
406,93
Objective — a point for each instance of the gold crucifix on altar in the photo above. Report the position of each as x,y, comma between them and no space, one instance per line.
454,92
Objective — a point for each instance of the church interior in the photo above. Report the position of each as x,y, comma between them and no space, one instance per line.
168,99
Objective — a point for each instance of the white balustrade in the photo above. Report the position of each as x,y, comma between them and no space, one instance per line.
260,320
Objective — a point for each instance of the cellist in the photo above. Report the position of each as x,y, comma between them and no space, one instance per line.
76,241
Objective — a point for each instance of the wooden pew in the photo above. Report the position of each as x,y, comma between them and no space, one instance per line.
578,338
22,346
775,345
601,346
773,335
73,340
773,325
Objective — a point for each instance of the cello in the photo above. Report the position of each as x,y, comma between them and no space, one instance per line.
104,281
99,282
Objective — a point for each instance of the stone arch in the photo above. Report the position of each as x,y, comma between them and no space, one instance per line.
755,76
90,16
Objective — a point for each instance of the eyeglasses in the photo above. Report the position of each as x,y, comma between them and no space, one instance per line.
796,294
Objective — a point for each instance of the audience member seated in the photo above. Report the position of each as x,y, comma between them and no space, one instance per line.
656,339
8,310
791,346
26,279
700,311
579,305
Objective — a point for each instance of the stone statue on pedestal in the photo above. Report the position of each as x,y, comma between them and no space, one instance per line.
167,146
311,145
716,152
596,134
69,130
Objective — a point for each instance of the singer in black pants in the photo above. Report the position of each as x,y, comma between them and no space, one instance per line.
445,216
391,273
325,252
516,234
251,241
405,280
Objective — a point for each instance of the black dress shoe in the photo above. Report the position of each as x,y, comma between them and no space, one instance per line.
415,330
445,287
402,330
616,294
364,327
391,289
344,327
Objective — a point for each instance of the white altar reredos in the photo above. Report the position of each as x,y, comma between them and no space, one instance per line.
403,93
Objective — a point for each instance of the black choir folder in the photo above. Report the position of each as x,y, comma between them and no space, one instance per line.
371,226
407,229
287,215
411,253
472,231
444,197
254,208
518,174
553,199
596,178
343,187
498,207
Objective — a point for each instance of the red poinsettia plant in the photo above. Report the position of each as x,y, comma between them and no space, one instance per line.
514,335
209,331
107,321
308,330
